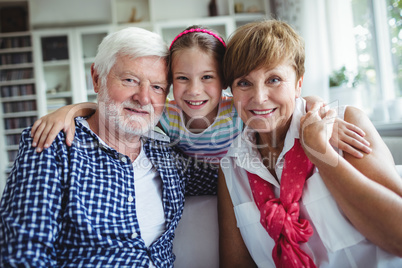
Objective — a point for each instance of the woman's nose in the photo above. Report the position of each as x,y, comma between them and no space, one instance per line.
260,94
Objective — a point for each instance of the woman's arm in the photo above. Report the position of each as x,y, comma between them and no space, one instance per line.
46,128
232,250
368,190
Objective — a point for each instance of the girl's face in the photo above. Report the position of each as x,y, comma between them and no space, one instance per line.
197,84
265,99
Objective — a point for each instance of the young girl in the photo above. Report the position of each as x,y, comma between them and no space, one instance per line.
201,120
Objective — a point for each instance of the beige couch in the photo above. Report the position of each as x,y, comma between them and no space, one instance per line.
196,242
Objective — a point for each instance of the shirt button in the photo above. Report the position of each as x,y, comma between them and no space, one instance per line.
130,198
124,160
134,235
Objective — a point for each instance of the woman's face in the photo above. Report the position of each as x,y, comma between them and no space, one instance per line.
265,98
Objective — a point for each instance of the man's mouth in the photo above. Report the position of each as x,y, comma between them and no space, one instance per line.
133,110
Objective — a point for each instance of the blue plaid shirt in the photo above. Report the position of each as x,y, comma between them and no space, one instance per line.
70,206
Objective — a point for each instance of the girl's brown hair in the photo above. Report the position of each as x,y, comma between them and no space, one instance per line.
205,42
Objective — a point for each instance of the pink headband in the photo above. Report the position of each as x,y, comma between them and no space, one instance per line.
197,30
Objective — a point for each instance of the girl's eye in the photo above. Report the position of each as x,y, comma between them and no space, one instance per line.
207,77
181,78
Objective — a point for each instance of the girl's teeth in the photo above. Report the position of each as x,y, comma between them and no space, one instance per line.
195,102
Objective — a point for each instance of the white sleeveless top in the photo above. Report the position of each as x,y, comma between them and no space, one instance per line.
335,242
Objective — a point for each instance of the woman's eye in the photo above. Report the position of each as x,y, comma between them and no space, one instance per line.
243,83
274,80
207,77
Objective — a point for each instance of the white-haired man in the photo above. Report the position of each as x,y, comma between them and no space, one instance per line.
114,198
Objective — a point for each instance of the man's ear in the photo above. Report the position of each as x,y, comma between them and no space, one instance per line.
299,87
95,79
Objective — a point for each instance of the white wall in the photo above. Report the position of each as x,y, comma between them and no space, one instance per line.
53,12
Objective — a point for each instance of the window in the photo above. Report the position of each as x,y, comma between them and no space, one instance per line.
377,30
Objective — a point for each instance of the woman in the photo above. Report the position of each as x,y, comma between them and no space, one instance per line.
286,196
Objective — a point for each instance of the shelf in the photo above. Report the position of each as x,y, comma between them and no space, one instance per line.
17,82
17,66
13,131
20,114
249,16
15,50
15,34
56,63
65,94
12,147
18,98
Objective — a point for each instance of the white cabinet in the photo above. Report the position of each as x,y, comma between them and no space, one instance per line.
63,58
17,95
169,18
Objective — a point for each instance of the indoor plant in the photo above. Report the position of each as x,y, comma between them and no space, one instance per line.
344,87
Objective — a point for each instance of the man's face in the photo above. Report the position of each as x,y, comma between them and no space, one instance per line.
135,94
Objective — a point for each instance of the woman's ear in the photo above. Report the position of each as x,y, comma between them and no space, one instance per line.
95,78
299,87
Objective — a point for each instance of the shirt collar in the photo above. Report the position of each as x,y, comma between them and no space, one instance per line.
245,152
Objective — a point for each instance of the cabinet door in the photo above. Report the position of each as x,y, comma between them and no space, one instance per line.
87,42
54,63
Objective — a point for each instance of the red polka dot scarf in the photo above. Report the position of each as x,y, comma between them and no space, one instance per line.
280,216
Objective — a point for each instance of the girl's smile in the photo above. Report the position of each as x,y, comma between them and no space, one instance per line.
197,84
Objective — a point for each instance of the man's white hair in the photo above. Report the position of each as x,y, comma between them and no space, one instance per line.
132,42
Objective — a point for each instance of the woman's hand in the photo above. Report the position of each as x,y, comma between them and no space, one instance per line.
316,128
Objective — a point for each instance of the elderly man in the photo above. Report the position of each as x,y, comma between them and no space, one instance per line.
114,198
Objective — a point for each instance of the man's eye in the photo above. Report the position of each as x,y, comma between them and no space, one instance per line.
159,89
129,80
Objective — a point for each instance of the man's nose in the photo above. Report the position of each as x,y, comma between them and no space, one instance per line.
142,95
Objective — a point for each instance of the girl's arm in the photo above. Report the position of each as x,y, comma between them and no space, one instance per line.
232,250
46,128
345,136
368,190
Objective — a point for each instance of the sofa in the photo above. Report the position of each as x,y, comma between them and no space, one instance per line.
196,244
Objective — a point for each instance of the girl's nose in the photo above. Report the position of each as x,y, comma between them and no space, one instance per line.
194,88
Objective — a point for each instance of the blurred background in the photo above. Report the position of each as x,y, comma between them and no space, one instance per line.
353,52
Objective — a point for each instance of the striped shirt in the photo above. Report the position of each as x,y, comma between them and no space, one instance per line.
211,144
75,206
